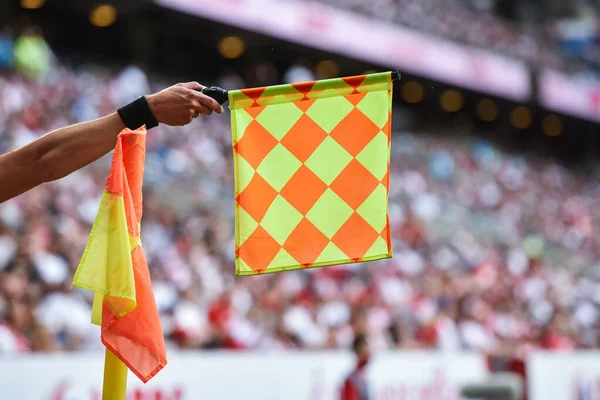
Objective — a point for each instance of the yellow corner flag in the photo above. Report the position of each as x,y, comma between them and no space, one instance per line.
312,173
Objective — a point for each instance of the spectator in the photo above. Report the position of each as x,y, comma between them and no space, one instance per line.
500,255
32,55
6,49
356,385
539,44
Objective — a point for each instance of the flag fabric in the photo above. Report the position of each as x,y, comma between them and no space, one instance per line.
114,266
311,173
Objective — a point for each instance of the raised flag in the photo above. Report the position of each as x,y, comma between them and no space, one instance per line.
114,267
311,173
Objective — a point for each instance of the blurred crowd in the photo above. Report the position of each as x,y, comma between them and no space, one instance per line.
569,44
494,252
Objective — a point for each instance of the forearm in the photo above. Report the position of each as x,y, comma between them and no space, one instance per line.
66,150
57,154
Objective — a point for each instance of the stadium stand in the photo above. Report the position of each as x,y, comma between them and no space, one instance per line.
494,251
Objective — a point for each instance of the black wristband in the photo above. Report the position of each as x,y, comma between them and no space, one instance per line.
138,113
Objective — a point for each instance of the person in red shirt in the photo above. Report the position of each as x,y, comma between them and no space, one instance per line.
356,386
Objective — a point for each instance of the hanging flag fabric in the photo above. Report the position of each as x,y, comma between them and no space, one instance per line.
311,173
114,266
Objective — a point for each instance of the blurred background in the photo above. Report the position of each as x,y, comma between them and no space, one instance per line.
494,198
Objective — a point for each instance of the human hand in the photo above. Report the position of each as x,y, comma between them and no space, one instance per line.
179,104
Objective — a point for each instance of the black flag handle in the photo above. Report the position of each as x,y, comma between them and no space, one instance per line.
217,93
221,95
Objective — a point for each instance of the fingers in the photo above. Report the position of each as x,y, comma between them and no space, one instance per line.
208,102
193,85
198,108
202,109
193,113
195,92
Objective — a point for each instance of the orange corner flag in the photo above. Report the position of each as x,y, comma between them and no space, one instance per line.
114,267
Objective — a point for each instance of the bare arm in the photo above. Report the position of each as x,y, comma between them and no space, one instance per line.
57,154
68,149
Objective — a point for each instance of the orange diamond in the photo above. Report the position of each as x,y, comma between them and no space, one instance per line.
385,234
386,179
256,143
306,243
355,81
355,98
257,197
303,138
355,237
354,184
355,132
259,250
303,87
304,104
303,190
254,93
387,127
255,110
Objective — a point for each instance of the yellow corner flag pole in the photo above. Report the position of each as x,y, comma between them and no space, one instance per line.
115,378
